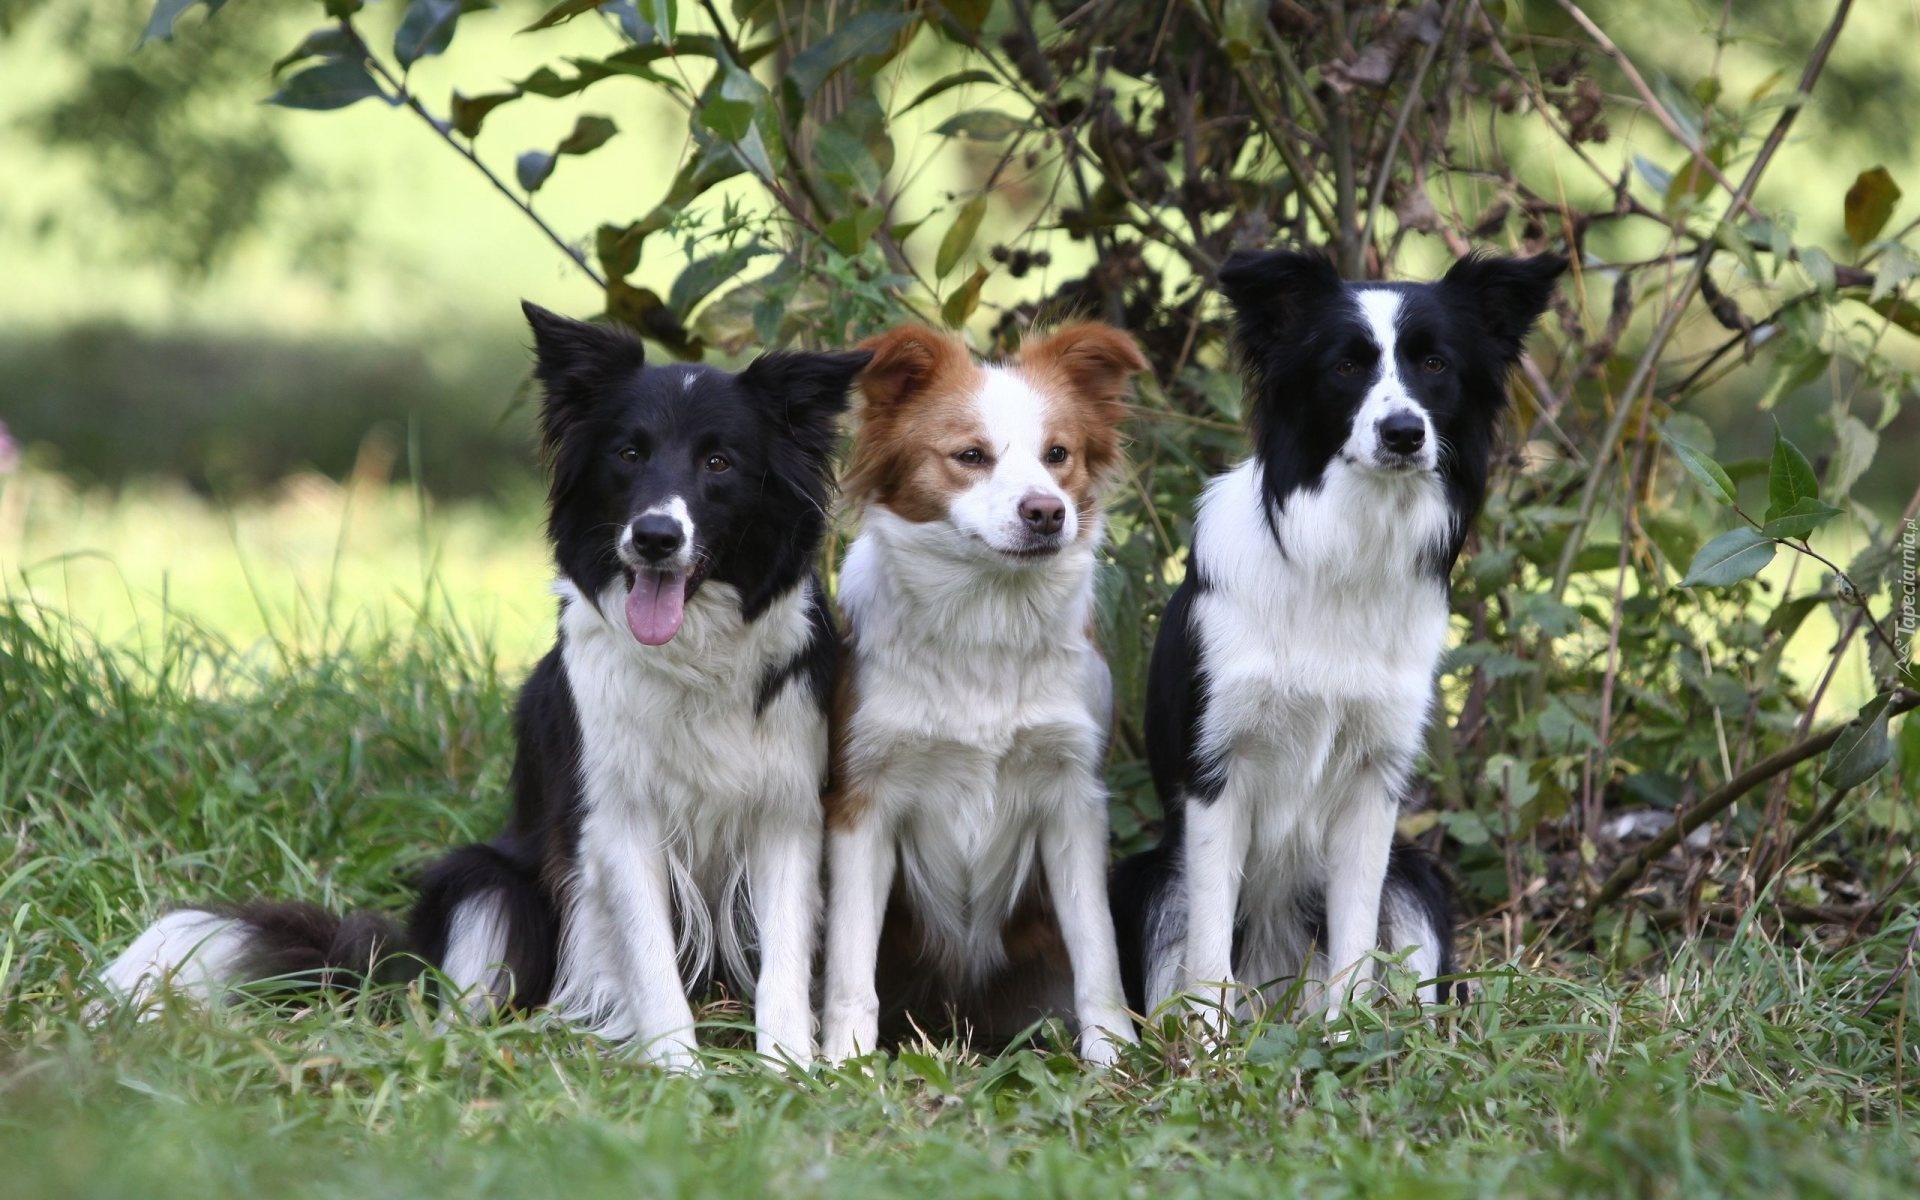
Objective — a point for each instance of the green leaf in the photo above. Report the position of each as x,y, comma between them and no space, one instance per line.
730,108
1910,751
1790,477
566,10
642,310
1869,203
928,1068
941,86
961,301
330,85
982,125
703,275
1675,534
851,232
1902,313
1710,474
959,236
1855,447
1733,556
869,35
1794,367
469,111
425,30
664,18
532,169
854,152
589,134
1787,618
342,8
165,13
1802,519
328,41
1863,747
1467,827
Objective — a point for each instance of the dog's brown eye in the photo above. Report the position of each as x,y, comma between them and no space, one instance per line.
717,463
1346,366
1433,364
973,456
1056,456
629,454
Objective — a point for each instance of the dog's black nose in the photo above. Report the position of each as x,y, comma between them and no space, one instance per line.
1043,513
657,536
1403,432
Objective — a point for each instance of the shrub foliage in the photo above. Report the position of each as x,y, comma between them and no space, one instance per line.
1621,653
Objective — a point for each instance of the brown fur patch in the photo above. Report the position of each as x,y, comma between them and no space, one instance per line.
1083,370
843,800
915,416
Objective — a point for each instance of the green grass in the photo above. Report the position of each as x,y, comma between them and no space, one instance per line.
328,758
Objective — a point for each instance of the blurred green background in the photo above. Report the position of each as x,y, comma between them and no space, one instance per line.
267,368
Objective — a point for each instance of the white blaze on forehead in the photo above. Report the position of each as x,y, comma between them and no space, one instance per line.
1012,412
1380,309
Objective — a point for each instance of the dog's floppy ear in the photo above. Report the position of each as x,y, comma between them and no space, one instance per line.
905,360
1506,295
1272,289
1094,357
569,356
809,389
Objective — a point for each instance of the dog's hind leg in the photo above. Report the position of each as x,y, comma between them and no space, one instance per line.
1417,915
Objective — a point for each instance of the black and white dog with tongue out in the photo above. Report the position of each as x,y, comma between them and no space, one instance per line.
1290,686
666,823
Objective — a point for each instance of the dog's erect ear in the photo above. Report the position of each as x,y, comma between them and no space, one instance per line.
1094,357
569,356
1272,289
810,389
1507,295
905,360
565,348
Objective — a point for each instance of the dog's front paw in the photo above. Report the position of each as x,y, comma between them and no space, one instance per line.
790,1047
849,1031
1102,1036
675,1053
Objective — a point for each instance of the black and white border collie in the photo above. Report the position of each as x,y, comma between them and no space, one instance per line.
967,820
1291,683
666,826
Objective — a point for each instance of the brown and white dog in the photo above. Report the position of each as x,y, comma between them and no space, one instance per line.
967,818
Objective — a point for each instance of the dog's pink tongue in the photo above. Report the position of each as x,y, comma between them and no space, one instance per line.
656,604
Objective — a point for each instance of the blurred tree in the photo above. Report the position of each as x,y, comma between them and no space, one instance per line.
182,179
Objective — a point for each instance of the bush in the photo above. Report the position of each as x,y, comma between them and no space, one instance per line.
233,415
990,166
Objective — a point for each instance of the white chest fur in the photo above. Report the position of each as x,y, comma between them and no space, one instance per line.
1319,636
673,727
679,774
981,707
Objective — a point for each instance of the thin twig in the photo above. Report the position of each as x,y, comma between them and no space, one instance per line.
1377,191
1650,357
1653,104
1722,798
445,133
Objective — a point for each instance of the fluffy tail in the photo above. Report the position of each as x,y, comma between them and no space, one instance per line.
482,919
1135,892
203,953
1416,910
